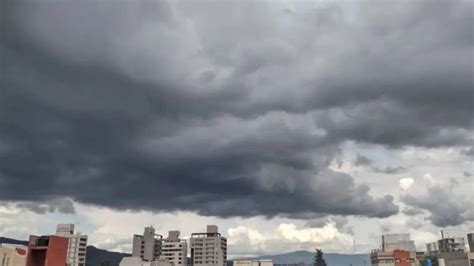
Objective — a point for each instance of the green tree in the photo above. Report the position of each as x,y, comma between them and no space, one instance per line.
318,259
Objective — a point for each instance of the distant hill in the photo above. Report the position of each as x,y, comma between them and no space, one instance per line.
6,240
332,259
95,256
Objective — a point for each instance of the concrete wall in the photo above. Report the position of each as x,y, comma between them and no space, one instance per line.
455,258
136,261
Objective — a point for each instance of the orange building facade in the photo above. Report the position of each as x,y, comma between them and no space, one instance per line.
393,258
47,251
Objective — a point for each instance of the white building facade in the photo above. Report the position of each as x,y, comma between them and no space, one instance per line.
209,248
136,261
174,249
147,246
77,244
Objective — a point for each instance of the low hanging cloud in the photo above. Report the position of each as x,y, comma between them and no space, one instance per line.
447,203
60,205
361,160
288,237
153,105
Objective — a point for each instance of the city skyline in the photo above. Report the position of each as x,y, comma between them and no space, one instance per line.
290,125
209,248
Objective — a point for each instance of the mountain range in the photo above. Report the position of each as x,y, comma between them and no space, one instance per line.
306,257
98,257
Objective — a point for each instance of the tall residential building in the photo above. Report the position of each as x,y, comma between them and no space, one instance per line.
209,248
452,251
174,249
77,244
148,245
432,248
470,241
12,255
397,250
451,244
46,251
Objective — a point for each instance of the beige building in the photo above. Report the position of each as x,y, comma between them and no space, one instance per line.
265,262
470,257
243,262
455,258
11,255
451,251
77,244
470,241
174,249
209,248
136,261
451,244
147,246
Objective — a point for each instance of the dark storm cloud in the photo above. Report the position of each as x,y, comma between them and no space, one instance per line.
199,107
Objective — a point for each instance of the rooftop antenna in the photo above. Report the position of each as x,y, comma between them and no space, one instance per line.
442,234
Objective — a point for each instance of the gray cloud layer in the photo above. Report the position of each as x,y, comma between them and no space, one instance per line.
364,161
224,109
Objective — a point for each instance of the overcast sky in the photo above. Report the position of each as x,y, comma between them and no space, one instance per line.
291,125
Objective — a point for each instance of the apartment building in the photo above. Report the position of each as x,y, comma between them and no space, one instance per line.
397,250
470,241
174,249
451,244
432,248
245,262
47,251
209,248
77,244
147,246
451,251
